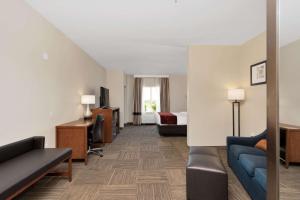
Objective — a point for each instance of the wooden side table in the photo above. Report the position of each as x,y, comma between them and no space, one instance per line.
289,144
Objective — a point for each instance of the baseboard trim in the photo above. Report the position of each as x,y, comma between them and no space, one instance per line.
148,124
128,124
143,124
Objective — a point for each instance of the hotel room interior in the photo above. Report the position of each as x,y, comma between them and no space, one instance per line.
150,100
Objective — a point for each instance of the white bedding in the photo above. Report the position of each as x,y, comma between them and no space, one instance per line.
181,118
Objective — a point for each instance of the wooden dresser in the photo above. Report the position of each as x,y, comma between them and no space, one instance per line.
289,144
111,122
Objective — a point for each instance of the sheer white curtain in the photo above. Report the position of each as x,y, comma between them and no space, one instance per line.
150,99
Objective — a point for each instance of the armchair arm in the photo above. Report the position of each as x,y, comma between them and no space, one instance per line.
246,141
38,142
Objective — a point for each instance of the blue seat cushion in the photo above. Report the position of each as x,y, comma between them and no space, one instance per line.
260,176
237,150
251,162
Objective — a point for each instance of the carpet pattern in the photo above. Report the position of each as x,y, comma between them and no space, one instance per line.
138,165
289,182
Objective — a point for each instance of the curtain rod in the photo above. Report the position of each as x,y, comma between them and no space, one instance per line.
151,76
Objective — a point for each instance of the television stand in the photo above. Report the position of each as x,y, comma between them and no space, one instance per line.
111,122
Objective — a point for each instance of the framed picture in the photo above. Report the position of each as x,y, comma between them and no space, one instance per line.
258,73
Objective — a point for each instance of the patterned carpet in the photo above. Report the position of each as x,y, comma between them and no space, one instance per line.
289,182
138,165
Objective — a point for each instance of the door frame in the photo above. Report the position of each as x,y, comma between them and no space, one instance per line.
272,99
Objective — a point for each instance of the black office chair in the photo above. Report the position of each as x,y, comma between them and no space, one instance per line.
95,137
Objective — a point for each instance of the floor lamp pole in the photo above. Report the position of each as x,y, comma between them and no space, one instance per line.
233,118
239,120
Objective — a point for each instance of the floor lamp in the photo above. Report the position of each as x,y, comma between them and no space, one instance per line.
236,96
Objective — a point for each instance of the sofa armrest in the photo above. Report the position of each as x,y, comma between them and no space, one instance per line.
38,142
246,141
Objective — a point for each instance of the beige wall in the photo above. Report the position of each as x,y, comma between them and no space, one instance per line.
38,94
254,109
289,79
115,82
211,71
178,93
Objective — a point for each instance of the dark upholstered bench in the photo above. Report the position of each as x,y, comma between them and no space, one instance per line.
25,162
206,177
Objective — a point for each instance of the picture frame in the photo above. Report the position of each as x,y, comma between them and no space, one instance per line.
258,73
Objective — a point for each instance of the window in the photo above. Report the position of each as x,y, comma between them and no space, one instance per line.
151,99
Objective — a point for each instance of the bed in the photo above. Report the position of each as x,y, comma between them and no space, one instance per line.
171,123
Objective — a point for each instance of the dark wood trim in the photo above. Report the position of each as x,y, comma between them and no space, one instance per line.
272,100
48,172
70,169
67,173
253,84
148,124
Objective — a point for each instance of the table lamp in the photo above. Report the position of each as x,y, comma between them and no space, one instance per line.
87,100
236,96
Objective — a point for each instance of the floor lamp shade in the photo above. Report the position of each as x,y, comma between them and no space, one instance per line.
236,94
87,100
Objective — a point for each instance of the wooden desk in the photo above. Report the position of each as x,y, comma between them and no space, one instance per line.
289,144
74,135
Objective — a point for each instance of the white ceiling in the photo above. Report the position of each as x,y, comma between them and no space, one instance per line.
289,21
151,36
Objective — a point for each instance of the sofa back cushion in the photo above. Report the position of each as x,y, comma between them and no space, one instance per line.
15,149
237,150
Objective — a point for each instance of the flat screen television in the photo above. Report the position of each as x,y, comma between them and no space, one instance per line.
104,97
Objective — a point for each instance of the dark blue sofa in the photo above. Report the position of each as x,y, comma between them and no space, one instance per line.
249,164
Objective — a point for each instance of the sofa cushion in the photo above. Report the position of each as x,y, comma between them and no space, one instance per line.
24,168
206,163
237,150
251,162
212,151
260,176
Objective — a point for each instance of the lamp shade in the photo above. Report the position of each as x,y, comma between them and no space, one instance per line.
236,94
88,99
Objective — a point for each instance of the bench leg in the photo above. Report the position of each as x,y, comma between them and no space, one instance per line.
48,173
70,169
67,173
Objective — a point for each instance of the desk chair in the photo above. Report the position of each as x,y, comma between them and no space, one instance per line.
95,137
